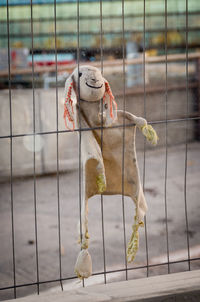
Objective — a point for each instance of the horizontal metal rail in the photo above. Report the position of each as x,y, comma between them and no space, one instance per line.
100,273
196,118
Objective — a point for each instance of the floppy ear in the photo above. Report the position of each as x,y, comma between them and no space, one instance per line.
109,101
70,101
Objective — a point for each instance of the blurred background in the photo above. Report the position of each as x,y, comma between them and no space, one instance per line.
149,51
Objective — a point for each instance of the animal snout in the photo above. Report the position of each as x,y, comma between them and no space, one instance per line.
94,80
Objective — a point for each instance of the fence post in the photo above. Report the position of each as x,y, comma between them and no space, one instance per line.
198,99
197,134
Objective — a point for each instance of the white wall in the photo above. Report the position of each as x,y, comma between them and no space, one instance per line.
45,121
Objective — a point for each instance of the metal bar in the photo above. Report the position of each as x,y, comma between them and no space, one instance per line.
186,141
11,158
98,128
34,159
123,138
80,126
102,208
57,153
144,157
166,138
197,126
42,158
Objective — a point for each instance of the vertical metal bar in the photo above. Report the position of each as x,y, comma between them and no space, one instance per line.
11,158
197,123
166,138
79,113
123,139
186,140
41,130
102,209
34,162
144,158
101,35
57,150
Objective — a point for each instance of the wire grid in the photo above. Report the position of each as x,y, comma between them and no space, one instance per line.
79,130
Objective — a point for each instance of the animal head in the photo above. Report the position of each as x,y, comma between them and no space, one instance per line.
88,84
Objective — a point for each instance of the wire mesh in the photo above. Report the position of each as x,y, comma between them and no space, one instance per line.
123,136
144,157
34,161
166,122
11,158
186,135
57,151
166,136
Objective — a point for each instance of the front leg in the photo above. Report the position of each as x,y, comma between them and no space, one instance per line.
147,130
94,182
84,236
83,221
141,123
83,266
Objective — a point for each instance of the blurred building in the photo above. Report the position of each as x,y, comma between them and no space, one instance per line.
44,13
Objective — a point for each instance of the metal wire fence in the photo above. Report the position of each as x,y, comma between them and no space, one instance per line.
166,122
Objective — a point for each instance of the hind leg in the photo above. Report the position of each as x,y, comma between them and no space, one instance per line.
140,211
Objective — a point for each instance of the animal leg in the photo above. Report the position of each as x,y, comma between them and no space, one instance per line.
83,230
141,123
84,221
140,210
83,266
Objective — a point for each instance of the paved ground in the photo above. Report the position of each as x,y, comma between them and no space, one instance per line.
47,218
177,287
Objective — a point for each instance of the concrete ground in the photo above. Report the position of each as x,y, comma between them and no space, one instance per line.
47,224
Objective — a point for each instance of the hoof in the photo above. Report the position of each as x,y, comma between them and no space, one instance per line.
83,266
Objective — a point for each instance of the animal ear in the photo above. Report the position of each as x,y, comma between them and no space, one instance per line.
70,100
109,101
